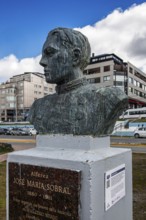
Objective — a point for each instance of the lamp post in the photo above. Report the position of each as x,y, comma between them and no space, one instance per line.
16,106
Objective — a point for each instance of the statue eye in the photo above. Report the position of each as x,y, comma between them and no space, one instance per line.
50,51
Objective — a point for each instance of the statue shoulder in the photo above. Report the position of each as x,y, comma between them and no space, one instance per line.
96,95
37,106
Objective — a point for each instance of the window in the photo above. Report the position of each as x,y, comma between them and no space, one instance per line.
20,105
130,89
97,80
130,80
21,84
85,72
138,84
12,105
136,92
135,82
10,98
21,91
106,68
118,83
130,70
94,80
50,90
94,70
106,78
2,106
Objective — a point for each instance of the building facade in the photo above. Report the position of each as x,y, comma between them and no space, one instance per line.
110,70
18,94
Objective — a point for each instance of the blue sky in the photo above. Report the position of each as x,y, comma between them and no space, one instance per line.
24,24
111,26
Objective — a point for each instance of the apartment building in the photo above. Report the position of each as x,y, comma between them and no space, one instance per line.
111,70
18,94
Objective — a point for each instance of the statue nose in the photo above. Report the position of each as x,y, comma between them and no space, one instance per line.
43,62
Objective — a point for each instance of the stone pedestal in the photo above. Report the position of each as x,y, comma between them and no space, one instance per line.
70,178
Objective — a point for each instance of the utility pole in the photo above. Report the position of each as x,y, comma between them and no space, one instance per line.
16,106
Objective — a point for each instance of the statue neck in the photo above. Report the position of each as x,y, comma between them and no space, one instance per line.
74,84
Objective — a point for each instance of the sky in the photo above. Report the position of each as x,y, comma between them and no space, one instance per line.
111,26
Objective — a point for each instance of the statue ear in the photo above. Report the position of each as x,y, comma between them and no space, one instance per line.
76,56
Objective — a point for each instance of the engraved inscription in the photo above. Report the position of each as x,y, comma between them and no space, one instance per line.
42,193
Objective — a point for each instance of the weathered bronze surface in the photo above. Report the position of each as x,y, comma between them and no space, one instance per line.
77,107
43,193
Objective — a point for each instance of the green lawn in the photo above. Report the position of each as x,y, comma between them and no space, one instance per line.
3,191
139,186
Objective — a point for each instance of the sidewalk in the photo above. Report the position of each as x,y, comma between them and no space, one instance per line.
3,157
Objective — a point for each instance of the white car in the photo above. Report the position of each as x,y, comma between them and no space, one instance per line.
32,131
140,132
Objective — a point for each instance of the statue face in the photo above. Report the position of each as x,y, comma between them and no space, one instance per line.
56,60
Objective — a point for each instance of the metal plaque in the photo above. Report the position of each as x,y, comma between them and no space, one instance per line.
114,186
43,193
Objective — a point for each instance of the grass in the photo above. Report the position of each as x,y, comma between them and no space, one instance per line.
5,148
3,191
139,188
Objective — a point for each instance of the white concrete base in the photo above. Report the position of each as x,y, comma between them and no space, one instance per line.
93,157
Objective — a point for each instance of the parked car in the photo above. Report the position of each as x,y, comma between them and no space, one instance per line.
18,131
3,131
30,131
33,131
140,132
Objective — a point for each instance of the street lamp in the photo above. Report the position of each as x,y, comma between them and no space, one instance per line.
16,106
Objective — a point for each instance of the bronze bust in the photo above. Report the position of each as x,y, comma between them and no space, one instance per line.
77,107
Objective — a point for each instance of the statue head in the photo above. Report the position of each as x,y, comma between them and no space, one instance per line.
65,54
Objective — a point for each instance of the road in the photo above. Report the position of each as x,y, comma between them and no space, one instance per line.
128,140
19,142
25,142
137,145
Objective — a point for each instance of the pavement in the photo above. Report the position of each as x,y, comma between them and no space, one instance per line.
16,147
3,157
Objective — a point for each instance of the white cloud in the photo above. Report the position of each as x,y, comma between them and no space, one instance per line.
10,66
121,32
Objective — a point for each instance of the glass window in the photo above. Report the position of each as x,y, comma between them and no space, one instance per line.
118,83
10,98
106,68
130,89
130,80
130,70
94,70
12,105
85,72
106,78
135,82
97,80
138,84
